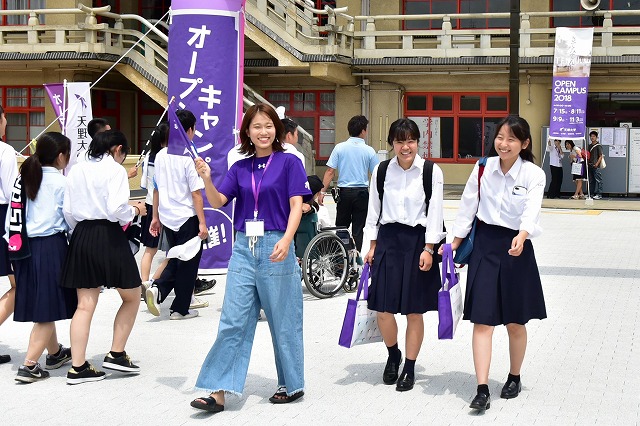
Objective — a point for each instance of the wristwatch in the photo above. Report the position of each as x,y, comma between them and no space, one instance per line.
428,250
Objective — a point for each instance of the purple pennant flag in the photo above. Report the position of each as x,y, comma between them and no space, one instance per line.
179,143
206,58
56,96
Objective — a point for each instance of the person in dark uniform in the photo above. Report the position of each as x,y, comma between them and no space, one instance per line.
503,281
405,277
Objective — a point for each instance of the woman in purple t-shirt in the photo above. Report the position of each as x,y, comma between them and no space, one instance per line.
268,187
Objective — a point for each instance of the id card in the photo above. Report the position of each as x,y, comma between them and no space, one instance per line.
254,228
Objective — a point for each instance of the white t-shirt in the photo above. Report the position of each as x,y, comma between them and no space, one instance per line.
176,178
8,171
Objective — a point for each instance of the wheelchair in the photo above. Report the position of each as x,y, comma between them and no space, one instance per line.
331,262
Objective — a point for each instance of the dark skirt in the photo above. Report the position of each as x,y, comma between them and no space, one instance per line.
146,238
99,255
502,289
5,264
39,297
397,283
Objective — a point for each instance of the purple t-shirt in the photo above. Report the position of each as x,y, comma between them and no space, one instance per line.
284,178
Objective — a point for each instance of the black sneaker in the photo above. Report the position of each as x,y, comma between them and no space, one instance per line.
30,375
122,363
203,285
64,356
89,374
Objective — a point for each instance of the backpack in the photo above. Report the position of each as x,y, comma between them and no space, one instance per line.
427,180
585,154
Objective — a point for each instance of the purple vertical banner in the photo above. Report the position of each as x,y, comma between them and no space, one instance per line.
571,68
56,96
206,58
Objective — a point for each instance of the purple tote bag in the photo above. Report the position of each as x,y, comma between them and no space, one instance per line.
360,324
449,297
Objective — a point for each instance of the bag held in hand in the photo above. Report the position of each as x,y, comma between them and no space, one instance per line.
449,297
360,324
576,169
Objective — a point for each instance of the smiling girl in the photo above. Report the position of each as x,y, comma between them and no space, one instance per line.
268,187
404,228
503,281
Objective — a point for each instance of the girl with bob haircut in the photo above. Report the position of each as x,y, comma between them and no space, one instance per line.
503,281
39,297
268,187
405,227
96,207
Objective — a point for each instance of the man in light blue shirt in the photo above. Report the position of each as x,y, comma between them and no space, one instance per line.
354,160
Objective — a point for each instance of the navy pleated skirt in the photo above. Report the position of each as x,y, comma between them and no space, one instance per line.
502,289
397,283
39,297
5,264
99,255
146,238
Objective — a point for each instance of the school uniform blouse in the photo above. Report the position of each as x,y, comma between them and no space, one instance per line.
8,171
44,214
510,200
97,188
404,200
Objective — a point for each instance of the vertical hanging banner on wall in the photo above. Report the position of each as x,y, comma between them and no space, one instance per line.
79,114
206,68
571,68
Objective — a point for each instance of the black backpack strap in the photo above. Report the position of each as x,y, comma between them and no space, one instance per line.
380,177
427,182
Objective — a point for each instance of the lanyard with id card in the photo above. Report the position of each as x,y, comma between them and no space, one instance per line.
254,228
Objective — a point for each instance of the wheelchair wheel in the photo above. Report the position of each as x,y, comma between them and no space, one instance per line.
351,285
324,265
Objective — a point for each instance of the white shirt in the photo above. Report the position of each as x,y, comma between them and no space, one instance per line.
555,157
44,214
234,154
512,201
146,181
176,178
404,200
8,171
97,188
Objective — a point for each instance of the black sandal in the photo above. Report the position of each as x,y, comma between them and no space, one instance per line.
209,404
281,397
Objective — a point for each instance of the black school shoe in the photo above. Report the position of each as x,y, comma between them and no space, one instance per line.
511,389
5,359
203,285
482,401
405,383
390,375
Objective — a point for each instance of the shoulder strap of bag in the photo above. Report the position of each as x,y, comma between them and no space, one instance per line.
481,163
427,182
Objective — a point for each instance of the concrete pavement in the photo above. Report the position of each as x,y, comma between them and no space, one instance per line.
580,368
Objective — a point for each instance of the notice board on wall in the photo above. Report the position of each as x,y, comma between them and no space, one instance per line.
634,161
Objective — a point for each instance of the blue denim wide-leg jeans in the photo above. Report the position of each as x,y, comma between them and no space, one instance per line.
254,282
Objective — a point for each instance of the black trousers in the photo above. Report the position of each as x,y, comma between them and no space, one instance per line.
556,182
180,275
352,211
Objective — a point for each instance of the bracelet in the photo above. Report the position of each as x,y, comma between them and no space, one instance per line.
428,250
323,192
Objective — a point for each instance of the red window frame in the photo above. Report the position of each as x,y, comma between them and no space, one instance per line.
146,107
455,23
28,110
456,112
316,113
589,20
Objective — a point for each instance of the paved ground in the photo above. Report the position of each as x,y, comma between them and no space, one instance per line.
581,366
